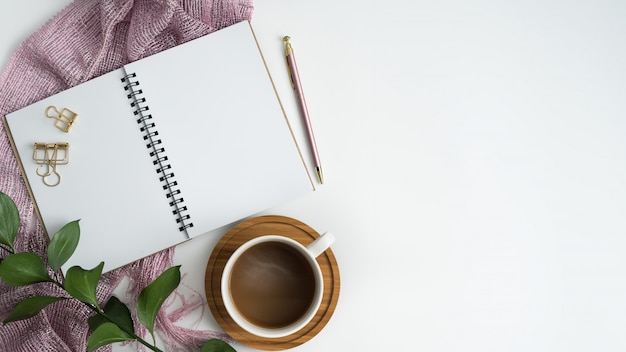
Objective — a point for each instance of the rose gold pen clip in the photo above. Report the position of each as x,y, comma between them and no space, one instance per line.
297,86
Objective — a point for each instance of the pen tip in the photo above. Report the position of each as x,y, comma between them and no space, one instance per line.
286,38
320,177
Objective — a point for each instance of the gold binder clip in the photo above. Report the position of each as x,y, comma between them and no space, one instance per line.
64,118
48,156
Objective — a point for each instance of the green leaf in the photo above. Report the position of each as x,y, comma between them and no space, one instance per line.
30,307
9,221
117,312
105,334
63,244
217,345
152,296
81,284
21,269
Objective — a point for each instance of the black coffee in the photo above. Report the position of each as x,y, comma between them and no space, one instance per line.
272,285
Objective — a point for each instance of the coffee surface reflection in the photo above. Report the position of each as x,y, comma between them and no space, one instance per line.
272,285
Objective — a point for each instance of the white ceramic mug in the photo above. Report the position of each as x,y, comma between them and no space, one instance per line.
266,268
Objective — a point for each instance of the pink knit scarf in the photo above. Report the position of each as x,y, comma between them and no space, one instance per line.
87,39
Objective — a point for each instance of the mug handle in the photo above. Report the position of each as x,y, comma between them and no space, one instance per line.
321,244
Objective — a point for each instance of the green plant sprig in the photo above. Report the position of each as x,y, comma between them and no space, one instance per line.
111,323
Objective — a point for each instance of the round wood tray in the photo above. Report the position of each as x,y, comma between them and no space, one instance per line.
243,232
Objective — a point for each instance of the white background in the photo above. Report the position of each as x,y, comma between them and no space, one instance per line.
474,156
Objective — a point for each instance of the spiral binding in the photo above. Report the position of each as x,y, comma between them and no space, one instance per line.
156,151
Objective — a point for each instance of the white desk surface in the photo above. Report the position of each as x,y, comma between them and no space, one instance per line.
475,163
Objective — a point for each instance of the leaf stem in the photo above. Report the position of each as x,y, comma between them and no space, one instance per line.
101,313
131,333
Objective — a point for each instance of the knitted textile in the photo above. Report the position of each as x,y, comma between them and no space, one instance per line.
87,39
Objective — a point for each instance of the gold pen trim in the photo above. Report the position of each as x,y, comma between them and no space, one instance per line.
289,52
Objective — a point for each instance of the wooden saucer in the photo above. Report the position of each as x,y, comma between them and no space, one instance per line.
245,231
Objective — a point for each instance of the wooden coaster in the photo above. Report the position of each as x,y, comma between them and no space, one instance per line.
260,226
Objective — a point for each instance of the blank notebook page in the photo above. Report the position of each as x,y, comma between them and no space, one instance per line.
222,127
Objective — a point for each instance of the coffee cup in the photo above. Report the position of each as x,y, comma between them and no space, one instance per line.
272,286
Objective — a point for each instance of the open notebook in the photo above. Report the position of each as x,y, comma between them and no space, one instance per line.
164,149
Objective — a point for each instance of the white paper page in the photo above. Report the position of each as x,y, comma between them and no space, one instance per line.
223,128
109,182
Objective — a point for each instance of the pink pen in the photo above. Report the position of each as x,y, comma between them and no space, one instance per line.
297,86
